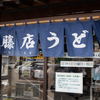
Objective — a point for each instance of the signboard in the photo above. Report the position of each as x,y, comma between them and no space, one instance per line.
28,93
69,82
76,63
96,55
26,71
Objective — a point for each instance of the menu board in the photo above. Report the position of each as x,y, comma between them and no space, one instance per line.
69,82
28,93
76,63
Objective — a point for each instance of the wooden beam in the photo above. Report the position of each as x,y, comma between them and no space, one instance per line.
1,4
9,4
45,80
53,21
25,2
0,77
62,0
42,1
50,10
6,0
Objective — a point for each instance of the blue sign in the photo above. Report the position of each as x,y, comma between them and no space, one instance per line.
23,40
52,39
7,40
79,38
97,23
27,40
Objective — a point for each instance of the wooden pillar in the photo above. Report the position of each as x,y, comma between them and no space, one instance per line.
0,77
45,80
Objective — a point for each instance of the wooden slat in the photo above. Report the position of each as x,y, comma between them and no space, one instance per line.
12,24
57,20
72,19
96,17
35,22
53,21
20,24
82,18
44,21
2,25
87,18
67,19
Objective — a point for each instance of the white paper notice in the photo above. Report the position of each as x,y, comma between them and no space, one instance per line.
76,63
69,82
